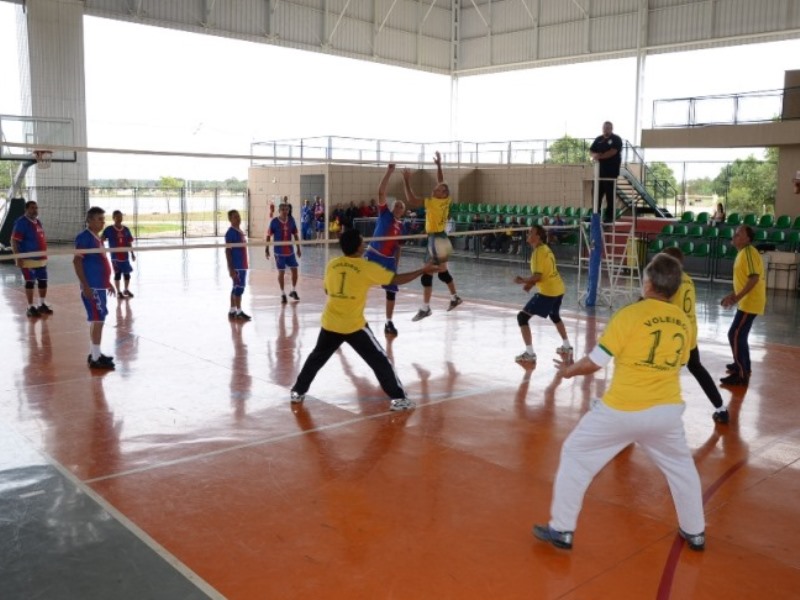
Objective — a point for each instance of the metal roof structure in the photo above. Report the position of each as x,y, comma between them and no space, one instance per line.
470,37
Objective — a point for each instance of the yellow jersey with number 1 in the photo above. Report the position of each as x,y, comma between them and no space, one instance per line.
543,263
347,281
649,341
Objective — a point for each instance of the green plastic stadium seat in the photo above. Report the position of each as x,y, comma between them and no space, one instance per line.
687,217
726,233
656,246
667,231
766,221
535,210
750,219
761,236
793,241
712,233
722,251
702,218
569,212
777,237
696,231
734,220
687,248
796,224
783,222
702,250
680,230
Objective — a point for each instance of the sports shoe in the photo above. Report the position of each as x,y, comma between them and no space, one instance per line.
421,314
242,316
102,364
293,295
389,328
44,309
103,358
696,542
564,350
734,379
731,367
526,357
454,302
33,312
283,299
402,404
559,539
231,315
721,416
127,294
297,398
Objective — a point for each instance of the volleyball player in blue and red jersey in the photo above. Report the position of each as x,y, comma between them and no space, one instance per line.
238,263
283,228
387,252
28,236
119,236
94,274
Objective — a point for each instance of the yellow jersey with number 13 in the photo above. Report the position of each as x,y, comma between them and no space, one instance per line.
649,341
347,281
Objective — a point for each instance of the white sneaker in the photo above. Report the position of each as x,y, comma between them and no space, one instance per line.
526,357
297,398
564,349
402,404
421,314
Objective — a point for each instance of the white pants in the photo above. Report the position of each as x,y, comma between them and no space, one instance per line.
601,434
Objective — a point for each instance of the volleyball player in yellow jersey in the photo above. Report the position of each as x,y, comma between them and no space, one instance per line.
750,293
347,281
686,299
547,301
437,211
649,342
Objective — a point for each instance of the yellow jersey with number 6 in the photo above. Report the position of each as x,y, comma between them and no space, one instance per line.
347,282
686,299
649,341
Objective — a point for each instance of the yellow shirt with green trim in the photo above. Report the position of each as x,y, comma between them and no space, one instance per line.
748,262
347,281
543,262
686,299
649,342
437,211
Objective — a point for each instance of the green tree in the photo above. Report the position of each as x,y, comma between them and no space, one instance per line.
8,170
661,182
170,183
749,184
234,185
703,186
569,151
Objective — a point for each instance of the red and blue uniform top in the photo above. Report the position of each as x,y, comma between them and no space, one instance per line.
387,226
118,238
282,231
95,266
238,255
29,235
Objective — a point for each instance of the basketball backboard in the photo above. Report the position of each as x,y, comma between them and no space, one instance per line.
40,133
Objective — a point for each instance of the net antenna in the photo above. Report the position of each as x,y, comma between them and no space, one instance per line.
44,158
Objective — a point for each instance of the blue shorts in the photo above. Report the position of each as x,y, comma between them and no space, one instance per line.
35,274
286,260
544,306
96,308
121,267
239,282
387,262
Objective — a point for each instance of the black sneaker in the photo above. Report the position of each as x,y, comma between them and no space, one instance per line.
242,316
721,416
33,312
734,379
454,302
731,368
127,294
44,309
390,329
559,539
107,365
696,542
293,295
103,358
231,315
283,299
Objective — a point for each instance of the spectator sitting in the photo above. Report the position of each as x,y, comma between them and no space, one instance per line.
487,239
557,232
517,237
718,218
475,224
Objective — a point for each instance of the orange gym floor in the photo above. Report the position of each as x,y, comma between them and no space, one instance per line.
186,473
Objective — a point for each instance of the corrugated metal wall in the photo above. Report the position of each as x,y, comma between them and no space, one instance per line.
493,35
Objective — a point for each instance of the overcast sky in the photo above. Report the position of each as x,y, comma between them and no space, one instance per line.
230,93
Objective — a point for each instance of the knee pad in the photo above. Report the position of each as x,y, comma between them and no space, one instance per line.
390,296
427,280
117,276
445,277
237,290
42,283
523,318
29,285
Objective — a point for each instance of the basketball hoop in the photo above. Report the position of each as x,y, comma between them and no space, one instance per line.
44,158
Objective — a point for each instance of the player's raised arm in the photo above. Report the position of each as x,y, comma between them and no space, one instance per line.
412,200
437,159
384,184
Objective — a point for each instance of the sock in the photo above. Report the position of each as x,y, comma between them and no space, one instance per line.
454,297
566,343
94,349
426,307
721,409
232,310
529,349
238,311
